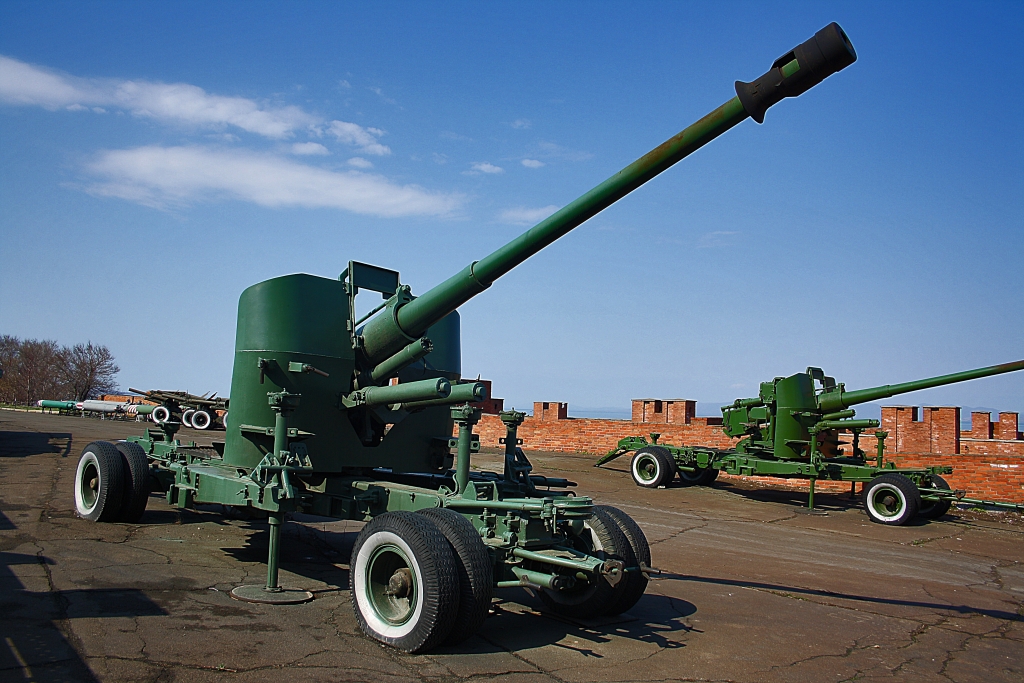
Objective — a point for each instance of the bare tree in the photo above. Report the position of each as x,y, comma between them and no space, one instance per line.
39,370
10,348
90,371
35,369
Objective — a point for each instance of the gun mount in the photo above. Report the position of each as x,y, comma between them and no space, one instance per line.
352,418
793,429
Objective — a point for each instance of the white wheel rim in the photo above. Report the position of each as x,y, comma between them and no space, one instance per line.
878,510
360,567
644,477
161,414
88,459
200,419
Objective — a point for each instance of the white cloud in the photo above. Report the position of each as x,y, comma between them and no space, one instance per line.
717,238
357,136
25,84
440,158
532,163
309,148
521,124
552,151
169,176
522,215
485,167
359,162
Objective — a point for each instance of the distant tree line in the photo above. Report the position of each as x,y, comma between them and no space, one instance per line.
35,369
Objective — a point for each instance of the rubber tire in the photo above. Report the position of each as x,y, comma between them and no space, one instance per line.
597,599
160,414
660,458
136,481
104,460
436,578
930,510
900,490
186,417
224,419
634,584
204,420
704,477
476,571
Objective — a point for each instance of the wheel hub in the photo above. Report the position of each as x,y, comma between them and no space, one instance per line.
400,583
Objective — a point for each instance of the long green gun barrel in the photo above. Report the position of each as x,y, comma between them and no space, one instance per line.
839,398
827,52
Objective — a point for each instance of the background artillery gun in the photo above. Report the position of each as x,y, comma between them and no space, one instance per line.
792,429
318,427
198,412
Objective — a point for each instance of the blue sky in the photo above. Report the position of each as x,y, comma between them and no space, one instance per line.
158,158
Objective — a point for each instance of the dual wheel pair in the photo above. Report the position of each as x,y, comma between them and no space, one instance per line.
423,579
112,482
654,466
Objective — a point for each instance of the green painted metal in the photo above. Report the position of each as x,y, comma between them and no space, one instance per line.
793,429
840,398
57,405
350,416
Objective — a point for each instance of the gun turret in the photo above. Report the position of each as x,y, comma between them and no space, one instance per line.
792,418
827,52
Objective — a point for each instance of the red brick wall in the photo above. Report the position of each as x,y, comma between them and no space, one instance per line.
922,430
550,410
664,411
990,469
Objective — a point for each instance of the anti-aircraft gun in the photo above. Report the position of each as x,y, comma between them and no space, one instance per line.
793,429
191,410
353,419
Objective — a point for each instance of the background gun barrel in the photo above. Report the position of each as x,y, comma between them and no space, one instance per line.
838,400
805,66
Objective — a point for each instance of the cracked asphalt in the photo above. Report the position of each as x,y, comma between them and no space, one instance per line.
753,590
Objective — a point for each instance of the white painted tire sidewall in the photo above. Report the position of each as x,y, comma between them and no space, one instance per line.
160,414
376,624
871,502
204,420
636,473
80,507
186,418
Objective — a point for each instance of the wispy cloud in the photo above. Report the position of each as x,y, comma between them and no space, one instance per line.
717,238
309,148
549,150
380,93
173,176
485,167
532,163
359,162
26,84
365,139
522,215
521,124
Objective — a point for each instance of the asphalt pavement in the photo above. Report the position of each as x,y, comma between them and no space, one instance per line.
753,589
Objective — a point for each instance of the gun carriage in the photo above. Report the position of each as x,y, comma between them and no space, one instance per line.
352,418
793,429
